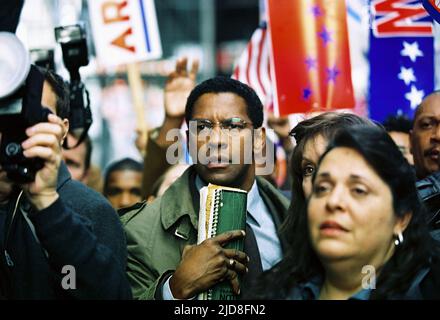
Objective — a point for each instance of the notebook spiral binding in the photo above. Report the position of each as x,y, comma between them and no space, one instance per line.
217,200
221,209
217,204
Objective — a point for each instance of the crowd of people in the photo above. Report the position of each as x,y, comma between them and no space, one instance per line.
359,218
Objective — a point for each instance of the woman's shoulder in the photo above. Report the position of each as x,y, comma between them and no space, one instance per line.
278,283
307,290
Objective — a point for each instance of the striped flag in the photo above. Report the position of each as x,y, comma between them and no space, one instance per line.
253,66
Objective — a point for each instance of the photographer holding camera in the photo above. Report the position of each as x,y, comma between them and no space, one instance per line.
58,238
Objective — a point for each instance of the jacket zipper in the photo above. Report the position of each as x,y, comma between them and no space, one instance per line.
8,258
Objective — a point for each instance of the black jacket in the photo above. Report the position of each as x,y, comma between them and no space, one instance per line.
429,192
80,229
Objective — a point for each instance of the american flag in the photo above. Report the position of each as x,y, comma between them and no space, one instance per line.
253,66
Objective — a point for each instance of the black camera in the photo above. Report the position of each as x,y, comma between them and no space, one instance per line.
21,88
74,46
43,58
75,55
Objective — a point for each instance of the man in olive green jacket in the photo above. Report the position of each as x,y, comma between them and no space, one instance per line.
158,233
164,261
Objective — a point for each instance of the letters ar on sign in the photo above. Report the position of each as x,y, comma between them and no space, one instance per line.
125,31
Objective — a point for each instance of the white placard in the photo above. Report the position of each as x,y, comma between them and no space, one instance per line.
124,31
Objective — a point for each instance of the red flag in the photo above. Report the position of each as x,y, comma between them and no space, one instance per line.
310,55
253,67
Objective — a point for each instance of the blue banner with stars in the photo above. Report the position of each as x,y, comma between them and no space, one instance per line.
401,58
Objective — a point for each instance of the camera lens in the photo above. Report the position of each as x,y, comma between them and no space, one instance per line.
13,149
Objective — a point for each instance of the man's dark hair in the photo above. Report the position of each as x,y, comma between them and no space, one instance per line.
122,165
225,84
398,124
61,91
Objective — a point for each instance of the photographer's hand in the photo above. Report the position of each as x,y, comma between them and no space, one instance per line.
44,142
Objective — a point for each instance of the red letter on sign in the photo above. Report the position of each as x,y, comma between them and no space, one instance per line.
396,15
117,15
120,41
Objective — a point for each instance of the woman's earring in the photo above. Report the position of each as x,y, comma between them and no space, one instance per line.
399,239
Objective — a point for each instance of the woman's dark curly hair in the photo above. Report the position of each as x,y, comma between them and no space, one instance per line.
325,125
416,251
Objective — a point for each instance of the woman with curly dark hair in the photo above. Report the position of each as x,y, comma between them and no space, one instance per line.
312,136
363,233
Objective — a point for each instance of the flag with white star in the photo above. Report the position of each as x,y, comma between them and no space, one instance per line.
401,58
310,56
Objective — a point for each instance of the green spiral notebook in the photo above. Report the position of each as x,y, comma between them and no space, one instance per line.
221,209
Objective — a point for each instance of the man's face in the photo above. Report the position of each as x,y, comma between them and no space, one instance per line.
213,149
425,137
75,159
124,188
401,139
48,98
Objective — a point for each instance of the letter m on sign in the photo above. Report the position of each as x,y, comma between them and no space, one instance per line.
400,18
